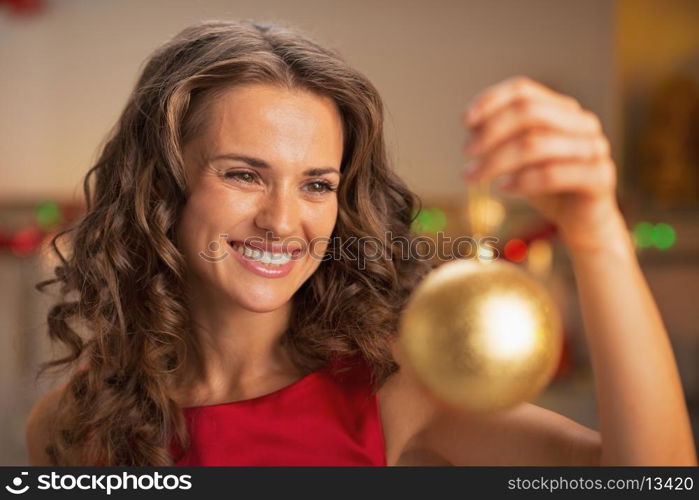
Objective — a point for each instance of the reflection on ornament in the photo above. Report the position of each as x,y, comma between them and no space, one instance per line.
481,337
485,253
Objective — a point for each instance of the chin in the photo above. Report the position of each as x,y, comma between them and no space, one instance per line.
261,302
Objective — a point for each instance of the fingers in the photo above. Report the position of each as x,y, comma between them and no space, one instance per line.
561,177
536,147
537,141
506,93
519,116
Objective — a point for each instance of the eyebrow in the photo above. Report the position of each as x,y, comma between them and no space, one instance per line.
258,163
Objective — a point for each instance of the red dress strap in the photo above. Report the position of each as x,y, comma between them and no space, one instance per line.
327,418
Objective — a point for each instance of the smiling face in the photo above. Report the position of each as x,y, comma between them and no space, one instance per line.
262,176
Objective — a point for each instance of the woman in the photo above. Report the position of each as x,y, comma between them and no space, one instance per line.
228,325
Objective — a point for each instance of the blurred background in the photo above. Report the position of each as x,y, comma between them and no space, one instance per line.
67,67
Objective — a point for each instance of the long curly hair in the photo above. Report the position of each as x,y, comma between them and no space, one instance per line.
123,316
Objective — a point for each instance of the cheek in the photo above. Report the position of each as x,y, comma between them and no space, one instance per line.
204,217
191,235
321,220
320,223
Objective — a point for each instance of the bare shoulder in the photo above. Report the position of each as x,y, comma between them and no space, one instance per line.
524,435
37,427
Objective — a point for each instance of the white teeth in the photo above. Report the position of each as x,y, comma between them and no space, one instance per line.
274,259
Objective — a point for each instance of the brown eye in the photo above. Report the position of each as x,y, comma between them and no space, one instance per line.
244,177
321,187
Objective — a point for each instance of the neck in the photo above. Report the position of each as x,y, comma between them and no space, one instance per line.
235,347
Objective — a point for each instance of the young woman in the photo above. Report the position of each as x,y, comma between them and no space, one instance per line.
216,271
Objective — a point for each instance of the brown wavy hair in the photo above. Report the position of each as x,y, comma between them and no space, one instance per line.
122,278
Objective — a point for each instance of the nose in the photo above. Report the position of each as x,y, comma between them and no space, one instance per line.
278,212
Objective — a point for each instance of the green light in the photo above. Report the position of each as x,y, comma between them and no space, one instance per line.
425,219
415,226
643,234
439,220
430,220
663,236
48,215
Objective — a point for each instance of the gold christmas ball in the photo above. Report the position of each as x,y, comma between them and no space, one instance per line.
481,336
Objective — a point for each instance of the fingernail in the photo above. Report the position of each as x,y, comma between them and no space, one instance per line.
505,182
470,168
472,115
473,147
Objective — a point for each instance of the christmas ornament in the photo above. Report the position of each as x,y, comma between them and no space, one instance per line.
481,335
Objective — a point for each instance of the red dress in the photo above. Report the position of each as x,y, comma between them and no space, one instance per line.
327,418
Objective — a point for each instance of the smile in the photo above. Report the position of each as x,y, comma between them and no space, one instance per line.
263,256
265,263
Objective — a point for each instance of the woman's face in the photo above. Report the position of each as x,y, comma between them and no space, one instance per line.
261,180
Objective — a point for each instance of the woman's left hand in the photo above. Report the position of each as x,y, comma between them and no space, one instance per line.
542,145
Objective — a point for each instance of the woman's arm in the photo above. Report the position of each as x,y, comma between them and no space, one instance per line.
543,146
526,435
642,413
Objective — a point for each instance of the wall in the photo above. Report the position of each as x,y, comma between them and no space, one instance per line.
67,72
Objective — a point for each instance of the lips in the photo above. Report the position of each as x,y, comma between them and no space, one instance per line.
263,262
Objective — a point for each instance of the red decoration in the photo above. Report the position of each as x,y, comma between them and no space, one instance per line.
26,241
515,250
23,7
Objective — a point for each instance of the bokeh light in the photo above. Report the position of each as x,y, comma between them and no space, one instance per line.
430,220
515,250
663,236
48,215
643,234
